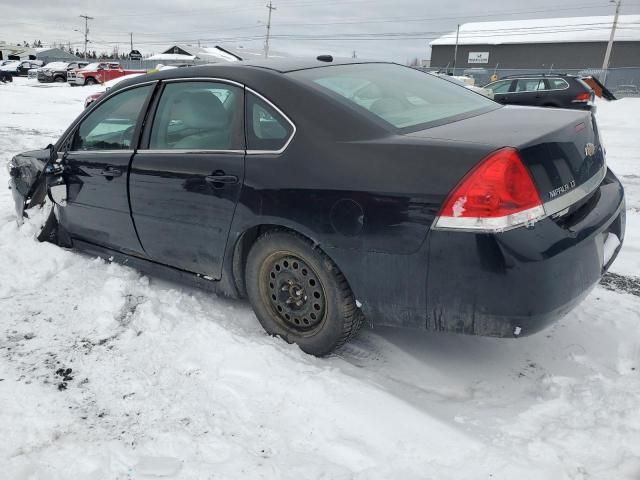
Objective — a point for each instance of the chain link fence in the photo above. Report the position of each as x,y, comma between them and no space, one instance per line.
622,82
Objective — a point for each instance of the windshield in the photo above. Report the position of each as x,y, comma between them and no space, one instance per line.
56,66
404,98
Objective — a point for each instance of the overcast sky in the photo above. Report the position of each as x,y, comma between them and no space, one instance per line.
372,28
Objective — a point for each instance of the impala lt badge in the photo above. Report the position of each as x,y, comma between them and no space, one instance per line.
563,189
589,149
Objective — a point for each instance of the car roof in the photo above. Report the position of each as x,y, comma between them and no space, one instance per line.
290,64
538,75
236,70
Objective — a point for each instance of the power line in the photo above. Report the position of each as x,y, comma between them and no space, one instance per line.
86,32
266,41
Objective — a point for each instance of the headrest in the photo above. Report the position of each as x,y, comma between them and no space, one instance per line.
201,110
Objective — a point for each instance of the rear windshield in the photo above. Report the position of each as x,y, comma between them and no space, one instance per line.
403,98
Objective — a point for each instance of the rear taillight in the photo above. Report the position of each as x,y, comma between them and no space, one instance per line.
583,97
498,194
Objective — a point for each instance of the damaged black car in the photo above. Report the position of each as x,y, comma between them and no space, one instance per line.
330,192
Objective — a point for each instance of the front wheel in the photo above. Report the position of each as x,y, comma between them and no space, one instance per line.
299,294
90,81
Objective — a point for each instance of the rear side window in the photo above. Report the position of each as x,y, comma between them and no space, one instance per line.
557,84
267,129
530,85
198,116
112,124
404,98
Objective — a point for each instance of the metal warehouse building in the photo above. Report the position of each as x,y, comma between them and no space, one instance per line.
558,43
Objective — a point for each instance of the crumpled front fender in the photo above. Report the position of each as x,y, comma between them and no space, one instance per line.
26,179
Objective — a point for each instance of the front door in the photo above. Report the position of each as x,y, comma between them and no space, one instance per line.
184,187
97,209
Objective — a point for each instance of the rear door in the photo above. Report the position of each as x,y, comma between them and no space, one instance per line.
528,91
101,148
185,184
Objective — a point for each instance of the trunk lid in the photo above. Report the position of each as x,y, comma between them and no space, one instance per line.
561,148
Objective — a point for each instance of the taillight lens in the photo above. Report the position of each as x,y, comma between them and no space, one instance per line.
583,97
497,195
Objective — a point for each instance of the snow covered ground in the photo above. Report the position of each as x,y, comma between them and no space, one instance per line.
108,374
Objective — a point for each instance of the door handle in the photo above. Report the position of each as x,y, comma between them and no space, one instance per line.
221,179
110,172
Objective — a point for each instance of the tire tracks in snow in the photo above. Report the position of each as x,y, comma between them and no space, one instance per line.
621,283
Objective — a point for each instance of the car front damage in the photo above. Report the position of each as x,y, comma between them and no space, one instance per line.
34,177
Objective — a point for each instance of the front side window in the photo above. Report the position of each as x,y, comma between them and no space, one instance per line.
198,116
112,124
530,85
267,129
403,98
500,87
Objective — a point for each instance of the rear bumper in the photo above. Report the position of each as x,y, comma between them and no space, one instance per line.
518,282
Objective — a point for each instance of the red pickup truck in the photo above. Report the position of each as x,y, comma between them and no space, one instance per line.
98,73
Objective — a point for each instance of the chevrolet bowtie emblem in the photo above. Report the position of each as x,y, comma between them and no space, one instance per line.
589,149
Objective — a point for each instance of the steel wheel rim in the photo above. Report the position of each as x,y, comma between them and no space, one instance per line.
294,293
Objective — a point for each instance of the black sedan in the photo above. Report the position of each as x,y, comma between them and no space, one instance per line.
328,192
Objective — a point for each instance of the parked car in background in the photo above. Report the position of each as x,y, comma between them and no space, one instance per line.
20,68
99,72
57,71
328,192
628,91
108,86
543,90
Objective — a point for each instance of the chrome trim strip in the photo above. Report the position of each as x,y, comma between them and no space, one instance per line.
524,218
530,91
203,79
293,126
146,151
95,152
492,224
568,199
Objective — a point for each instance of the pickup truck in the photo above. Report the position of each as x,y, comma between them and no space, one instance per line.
57,71
98,73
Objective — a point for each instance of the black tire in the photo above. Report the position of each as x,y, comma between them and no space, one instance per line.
59,79
299,294
90,81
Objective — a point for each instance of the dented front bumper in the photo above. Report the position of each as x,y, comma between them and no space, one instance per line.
27,181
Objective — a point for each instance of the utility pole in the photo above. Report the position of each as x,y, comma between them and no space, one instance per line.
353,55
455,51
607,55
86,32
266,42
131,33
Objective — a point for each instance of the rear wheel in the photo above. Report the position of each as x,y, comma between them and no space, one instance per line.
299,294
